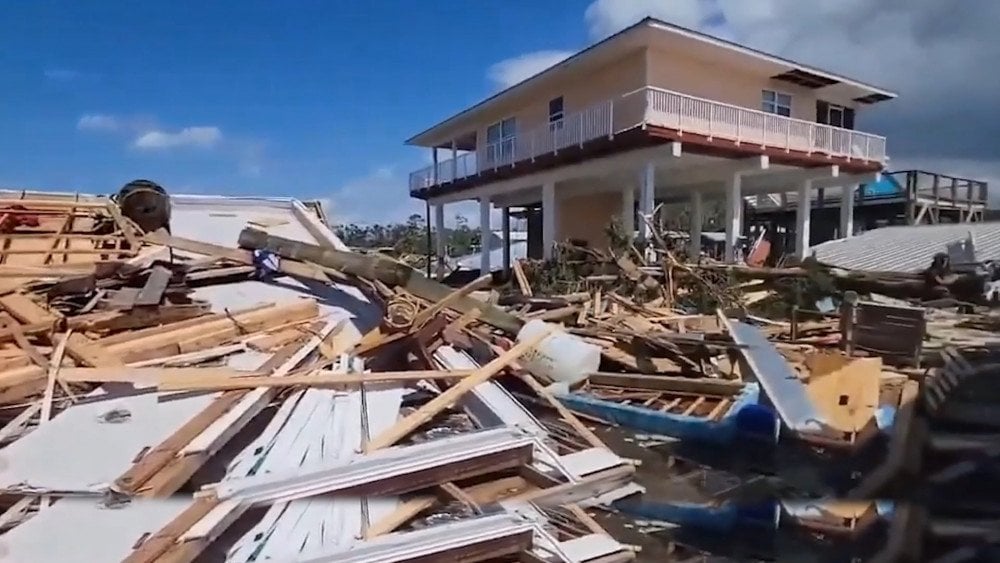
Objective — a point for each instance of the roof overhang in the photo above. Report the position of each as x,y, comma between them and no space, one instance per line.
657,34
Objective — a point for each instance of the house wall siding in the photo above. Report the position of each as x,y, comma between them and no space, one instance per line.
732,85
579,91
648,66
586,217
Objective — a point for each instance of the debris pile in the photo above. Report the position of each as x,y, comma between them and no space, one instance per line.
236,384
237,399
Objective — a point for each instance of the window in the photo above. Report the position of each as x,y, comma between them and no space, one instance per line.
776,102
835,116
500,141
556,114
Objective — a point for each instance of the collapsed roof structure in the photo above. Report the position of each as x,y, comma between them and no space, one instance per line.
150,412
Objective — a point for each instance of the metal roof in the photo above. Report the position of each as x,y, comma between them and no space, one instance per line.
907,248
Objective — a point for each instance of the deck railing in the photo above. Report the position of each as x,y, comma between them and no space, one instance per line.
663,108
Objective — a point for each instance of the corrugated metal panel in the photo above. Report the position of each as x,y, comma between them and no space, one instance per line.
313,427
309,480
907,248
426,543
778,380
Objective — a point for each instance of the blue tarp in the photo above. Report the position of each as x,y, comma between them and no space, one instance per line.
886,187
745,417
707,518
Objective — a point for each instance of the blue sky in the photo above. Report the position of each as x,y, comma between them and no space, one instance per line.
314,99
243,97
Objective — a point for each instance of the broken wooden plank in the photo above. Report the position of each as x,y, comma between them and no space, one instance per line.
285,266
156,284
387,271
428,411
50,385
146,375
211,380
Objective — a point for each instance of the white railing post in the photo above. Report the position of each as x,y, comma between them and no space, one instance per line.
868,150
580,132
611,119
788,136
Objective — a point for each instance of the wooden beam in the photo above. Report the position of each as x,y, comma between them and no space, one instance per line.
701,386
153,376
210,380
428,411
50,385
387,271
403,514
440,305
164,539
289,267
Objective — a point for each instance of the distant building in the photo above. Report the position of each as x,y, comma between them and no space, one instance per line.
654,113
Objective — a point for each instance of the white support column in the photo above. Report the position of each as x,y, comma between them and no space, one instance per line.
485,235
803,211
697,220
439,239
847,210
454,160
647,195
734,216
505,226
548,219
628,211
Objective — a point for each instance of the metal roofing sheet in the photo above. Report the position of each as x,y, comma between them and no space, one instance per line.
101,438
314,427
84,530
778,380
907,248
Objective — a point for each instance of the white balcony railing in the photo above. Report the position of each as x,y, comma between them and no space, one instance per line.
663,108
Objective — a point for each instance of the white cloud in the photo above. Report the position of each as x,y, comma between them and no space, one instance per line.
381,196
98,122
509,72
607,17
201,137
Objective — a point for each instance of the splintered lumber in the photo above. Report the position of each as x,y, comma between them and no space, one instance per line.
26,310
378,268
53,374
165,469
149,375
108,321
212,380
168,340
152,548
430,312
295,269
90,353
205,335
445,400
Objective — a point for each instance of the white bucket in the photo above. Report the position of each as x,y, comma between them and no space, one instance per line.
562,357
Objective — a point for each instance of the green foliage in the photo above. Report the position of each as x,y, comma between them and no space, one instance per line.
409,237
